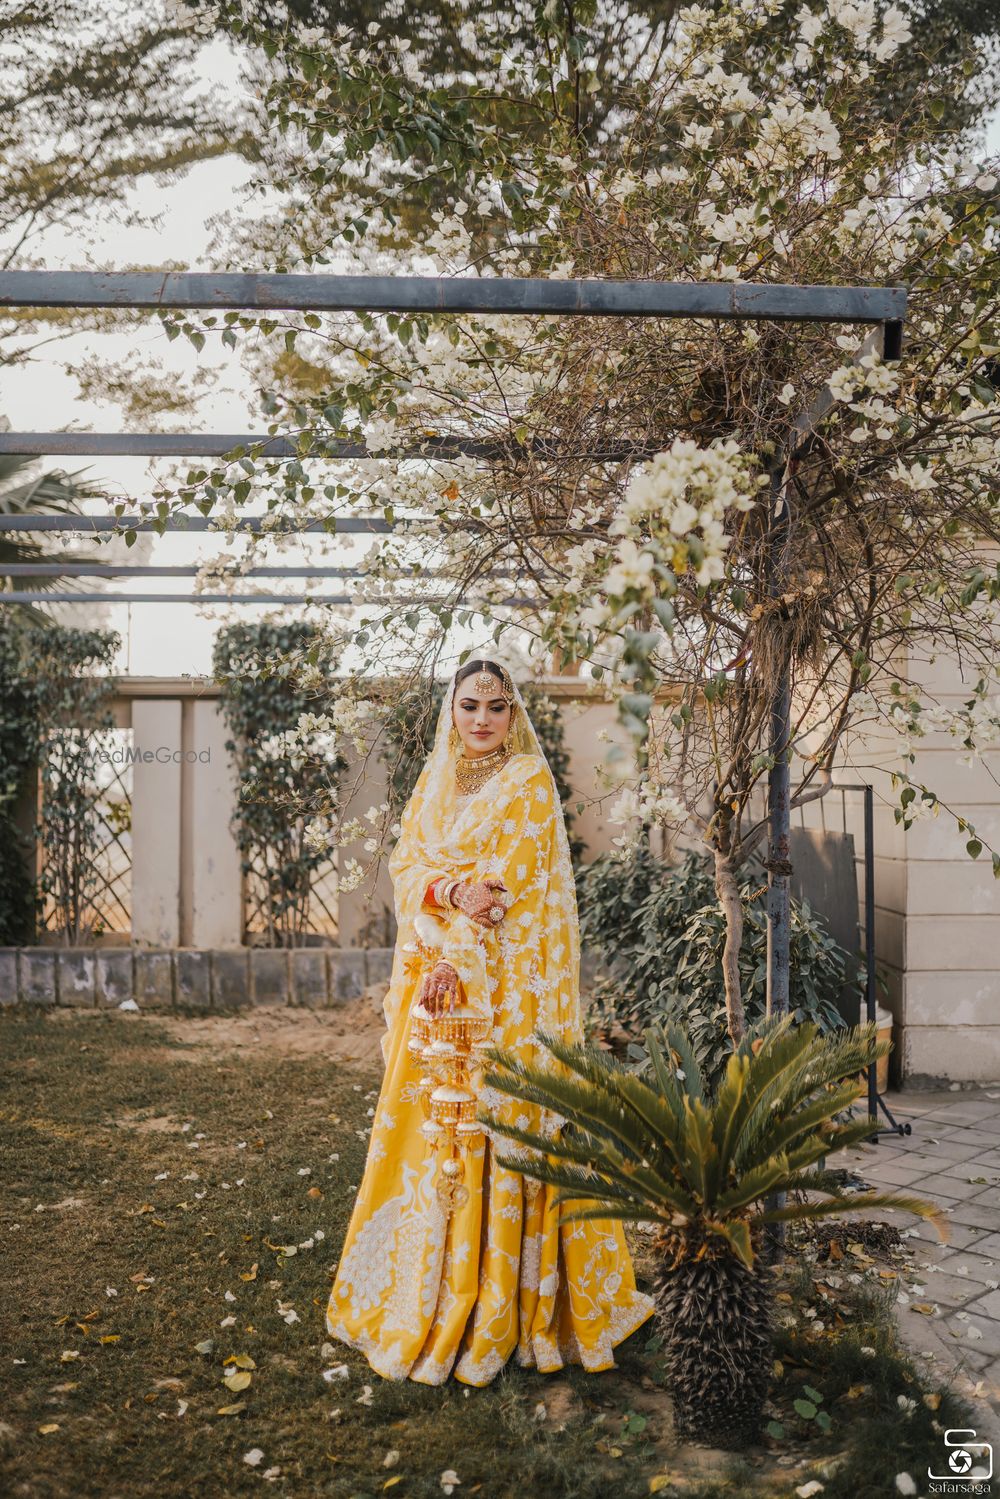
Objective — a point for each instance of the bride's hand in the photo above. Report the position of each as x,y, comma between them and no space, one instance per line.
440,989
482,900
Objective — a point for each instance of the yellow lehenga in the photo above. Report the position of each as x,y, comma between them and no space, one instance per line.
422,1292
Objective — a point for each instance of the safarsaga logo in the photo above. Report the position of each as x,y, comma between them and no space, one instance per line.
968,1463
129,754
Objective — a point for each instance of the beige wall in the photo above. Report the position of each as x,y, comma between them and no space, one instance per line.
186,883
937,912
952,930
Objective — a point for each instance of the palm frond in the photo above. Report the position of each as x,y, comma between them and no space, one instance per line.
592,1186
611,1212
593,1109
857,1202
772,1176
674,1038
737,1235
640,1179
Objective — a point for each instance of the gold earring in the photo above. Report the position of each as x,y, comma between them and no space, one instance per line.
453,739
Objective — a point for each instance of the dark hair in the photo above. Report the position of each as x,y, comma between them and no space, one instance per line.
482,663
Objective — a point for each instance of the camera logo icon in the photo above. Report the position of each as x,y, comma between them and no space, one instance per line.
968,1459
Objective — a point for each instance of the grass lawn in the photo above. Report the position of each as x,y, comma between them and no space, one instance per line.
175,1194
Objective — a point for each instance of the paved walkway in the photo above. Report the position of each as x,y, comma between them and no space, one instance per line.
950,1311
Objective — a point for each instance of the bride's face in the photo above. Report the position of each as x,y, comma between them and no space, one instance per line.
481,721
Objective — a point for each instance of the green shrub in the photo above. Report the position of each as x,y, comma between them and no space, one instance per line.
283,783
659,932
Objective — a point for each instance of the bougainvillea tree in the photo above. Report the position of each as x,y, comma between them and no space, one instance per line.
624,497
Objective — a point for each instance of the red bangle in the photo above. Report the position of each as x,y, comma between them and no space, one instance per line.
429,892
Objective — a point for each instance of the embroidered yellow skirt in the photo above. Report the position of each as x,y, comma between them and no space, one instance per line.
423,1294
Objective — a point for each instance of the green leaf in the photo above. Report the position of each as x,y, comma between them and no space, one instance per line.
974,848
804,1408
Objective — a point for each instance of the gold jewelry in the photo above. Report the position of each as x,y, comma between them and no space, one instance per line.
453,739
496,913
486,682
471,772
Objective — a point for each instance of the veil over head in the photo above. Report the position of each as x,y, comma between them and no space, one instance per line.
436,783
513,828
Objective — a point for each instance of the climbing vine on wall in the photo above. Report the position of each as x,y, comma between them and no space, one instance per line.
286,779
55,700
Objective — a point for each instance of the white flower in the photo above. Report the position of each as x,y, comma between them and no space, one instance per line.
697,136
895,31
449,1480
905,1484
633,568
918,477
253,1457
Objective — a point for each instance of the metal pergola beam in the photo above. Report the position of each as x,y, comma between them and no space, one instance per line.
437,294
39,597
219,444
262,524
170,570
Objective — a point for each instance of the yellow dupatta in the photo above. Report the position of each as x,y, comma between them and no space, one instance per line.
420,1293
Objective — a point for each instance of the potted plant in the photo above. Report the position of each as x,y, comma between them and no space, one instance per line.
661,1150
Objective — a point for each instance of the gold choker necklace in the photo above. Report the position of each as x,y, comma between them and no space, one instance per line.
471,772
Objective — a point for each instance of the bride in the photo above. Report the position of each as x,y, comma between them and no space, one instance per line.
423,1291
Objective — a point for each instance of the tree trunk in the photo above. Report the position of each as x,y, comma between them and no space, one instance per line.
728,891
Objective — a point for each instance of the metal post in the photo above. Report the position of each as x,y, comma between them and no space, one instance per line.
778,780
871,1006
778,816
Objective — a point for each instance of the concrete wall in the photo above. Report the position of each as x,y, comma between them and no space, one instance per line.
186,879
937,912
951,939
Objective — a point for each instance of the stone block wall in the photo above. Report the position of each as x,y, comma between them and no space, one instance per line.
190,978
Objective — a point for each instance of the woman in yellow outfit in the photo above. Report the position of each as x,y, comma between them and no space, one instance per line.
421,1290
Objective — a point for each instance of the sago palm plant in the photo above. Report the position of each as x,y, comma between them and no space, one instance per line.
659,1150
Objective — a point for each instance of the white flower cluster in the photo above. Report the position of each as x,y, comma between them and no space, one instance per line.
646,803
688,486
313,738
871,379
790,133
671,517
355,719
734,226
724,91
975,724
879,37
860,19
